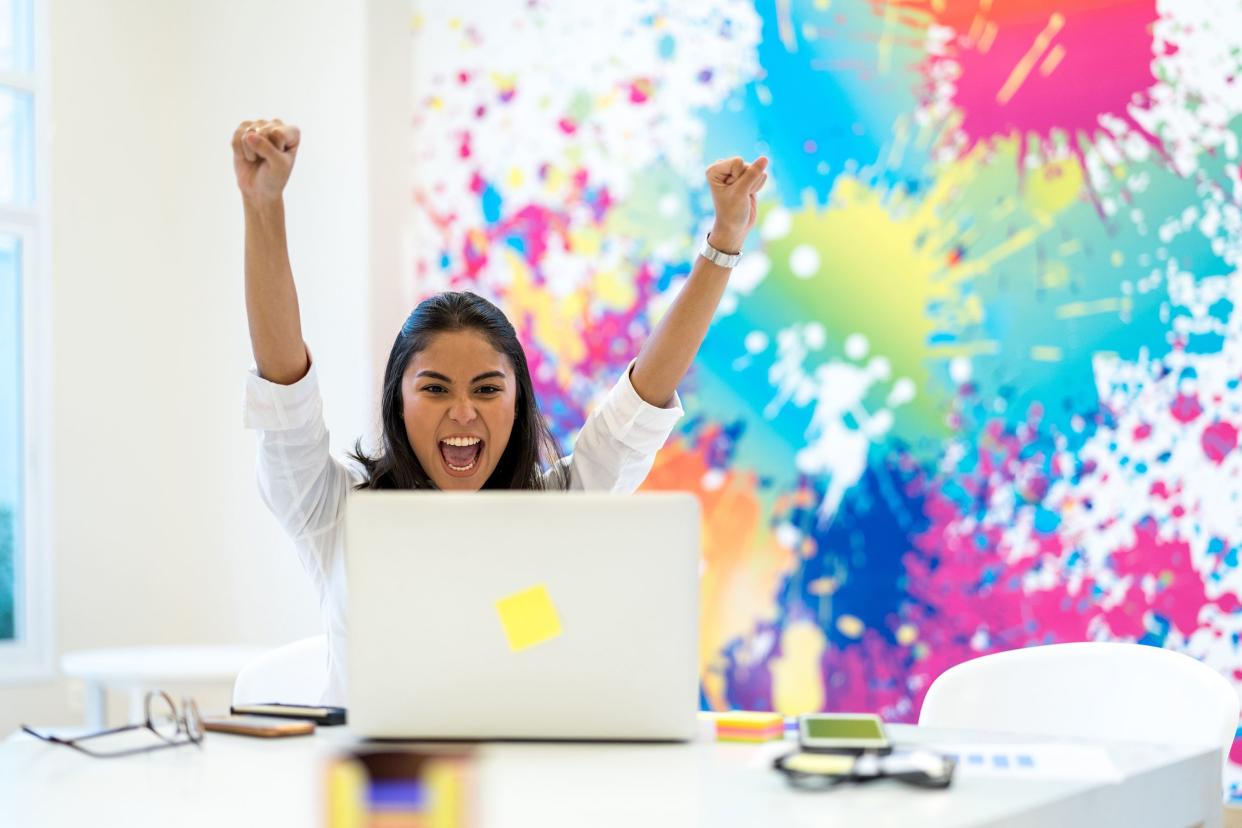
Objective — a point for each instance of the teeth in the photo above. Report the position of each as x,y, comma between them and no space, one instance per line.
461,441
460,468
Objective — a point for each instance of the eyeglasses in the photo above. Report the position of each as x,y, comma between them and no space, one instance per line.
809,770
174,726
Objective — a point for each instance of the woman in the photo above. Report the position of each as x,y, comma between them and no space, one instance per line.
458,408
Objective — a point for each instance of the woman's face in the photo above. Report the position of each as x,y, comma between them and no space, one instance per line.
459,397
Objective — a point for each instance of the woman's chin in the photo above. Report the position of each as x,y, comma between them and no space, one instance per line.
456,484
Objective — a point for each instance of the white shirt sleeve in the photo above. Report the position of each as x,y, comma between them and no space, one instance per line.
620,439
303,485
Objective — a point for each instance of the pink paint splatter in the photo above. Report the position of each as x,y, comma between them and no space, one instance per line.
641,90
1178,591
1218,440
1186,408
1037,68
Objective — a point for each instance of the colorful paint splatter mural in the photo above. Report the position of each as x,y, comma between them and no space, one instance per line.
976,383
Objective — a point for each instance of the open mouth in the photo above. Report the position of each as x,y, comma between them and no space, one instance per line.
461,454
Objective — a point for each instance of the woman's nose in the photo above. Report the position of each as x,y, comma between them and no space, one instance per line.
462,411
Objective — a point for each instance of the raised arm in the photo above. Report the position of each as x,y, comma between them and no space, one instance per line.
263,156
667,354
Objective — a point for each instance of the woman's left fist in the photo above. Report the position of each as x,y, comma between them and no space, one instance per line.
734,185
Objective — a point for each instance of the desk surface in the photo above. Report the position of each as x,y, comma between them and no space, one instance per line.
239,781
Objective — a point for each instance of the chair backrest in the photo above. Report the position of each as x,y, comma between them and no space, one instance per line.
1101,691
295,673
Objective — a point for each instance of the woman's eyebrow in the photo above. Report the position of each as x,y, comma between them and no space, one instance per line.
488,375
442,378
433,375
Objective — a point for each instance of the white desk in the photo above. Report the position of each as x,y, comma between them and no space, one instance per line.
237,781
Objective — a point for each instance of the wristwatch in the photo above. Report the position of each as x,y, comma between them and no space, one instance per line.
719,256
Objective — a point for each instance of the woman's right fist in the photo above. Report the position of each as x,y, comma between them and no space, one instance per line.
263,156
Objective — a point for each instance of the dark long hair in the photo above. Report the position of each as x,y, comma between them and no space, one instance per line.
531,445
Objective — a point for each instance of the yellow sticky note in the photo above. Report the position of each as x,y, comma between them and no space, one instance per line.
828,764
528,617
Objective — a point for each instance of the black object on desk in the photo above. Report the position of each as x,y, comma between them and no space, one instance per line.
324,716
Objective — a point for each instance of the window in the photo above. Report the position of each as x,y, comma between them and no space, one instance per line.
24,536
11,451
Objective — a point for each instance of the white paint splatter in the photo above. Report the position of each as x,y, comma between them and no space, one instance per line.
804,261
856,346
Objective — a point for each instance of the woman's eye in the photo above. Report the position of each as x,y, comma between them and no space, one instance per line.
488,389
434,389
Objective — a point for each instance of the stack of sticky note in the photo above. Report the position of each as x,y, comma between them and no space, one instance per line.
749,726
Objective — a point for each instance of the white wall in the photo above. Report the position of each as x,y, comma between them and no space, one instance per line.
160,534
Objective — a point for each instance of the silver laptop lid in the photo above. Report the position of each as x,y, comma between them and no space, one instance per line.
522,615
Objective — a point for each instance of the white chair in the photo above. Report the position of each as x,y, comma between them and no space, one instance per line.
295,673
1088,691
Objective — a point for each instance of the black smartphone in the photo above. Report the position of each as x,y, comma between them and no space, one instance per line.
319,715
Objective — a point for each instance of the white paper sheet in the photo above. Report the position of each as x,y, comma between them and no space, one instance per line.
1031,760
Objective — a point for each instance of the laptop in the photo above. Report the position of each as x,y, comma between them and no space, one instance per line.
522,615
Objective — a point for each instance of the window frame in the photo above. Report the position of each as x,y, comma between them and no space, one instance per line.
28,657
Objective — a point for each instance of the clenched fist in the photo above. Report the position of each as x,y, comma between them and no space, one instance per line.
734,185
263,156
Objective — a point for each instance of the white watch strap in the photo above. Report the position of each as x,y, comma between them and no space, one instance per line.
719,256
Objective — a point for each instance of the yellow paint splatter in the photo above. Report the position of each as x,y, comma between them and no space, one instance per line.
585,241
797,682
888,256
516,178
988,37
1020,72
1076,310
850,626
1046,353
907,634
556,321
1052,61
614,291
743,564
884,49
1055,275
1054,187
478,239
505,83
822,586
977,347
555,180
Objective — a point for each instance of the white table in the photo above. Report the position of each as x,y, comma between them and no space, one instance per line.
135,670
238,781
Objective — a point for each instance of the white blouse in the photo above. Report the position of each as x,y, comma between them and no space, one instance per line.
305,486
